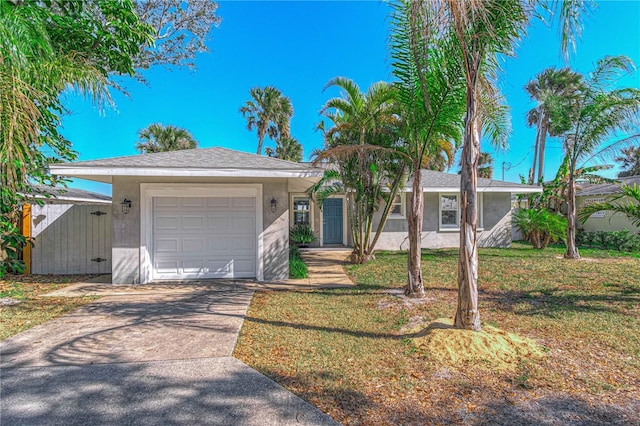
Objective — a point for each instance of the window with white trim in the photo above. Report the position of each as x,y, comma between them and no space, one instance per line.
398,206
301,211
449,211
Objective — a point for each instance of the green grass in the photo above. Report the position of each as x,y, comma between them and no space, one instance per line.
347,352
33,308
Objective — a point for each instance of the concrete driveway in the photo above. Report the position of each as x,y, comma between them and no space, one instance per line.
149,358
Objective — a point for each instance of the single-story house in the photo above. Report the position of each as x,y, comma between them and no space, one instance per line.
71,231
605,220
220,213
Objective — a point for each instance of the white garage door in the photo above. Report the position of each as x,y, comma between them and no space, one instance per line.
204,237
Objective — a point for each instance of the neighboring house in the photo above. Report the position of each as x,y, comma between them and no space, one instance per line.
71,232
219,213
605,220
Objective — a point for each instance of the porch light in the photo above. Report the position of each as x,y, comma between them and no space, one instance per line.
126,206
274,204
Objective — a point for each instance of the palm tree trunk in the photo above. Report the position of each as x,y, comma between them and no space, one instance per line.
415,286
536,150
543,140
467,314
572,249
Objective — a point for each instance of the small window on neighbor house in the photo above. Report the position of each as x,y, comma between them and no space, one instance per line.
301,211
398,206
449,211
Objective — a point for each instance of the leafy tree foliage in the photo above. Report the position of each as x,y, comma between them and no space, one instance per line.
601,112
551,89
359,148
540,226
480,31
180,31
49,47
269,112
286,149
159,138
627,202
430,101
630,161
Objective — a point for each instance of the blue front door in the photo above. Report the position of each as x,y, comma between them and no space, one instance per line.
332,225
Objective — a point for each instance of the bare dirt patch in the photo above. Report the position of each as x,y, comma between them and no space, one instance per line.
490,347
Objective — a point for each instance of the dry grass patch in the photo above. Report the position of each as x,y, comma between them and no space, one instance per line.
25,307
352,352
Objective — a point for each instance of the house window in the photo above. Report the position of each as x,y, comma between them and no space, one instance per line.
449,211
398,206
301,211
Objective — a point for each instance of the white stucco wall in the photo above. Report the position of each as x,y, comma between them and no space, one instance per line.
126,252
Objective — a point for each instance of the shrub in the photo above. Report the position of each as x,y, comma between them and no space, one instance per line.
623,240
297,267
302,235
540,227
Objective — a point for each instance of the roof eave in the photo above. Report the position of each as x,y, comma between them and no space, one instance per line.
505,189
93,171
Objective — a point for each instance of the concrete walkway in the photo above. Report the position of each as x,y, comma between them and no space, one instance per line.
151,356
325,271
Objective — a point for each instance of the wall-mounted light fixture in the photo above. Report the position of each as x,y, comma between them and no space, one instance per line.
274,205
126,206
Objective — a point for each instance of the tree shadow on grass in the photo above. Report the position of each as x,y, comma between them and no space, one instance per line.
555,302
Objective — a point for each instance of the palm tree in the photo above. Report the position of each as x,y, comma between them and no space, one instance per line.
286,149
485,165
596,116
481,30
629,207
158,138
269,112
630,160
359,144
430,99
548,88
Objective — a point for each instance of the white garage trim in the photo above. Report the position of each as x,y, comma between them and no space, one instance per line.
150,190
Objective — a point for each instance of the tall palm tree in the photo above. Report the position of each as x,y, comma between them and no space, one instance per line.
269,112
481,30
600,113
547,89
159,138
430,99
286,149
359,143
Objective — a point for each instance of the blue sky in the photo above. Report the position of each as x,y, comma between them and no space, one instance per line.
298,47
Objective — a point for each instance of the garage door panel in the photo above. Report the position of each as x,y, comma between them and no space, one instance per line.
244,203
219,223
218,202
193,202
166,223
192,223
166,202
206,237
243,244
193,245
167,245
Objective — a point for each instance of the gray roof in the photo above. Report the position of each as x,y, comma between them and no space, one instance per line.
435,180
200,158
608,188
68,194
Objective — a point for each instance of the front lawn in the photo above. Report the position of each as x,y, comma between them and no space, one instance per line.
349,351
32,308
